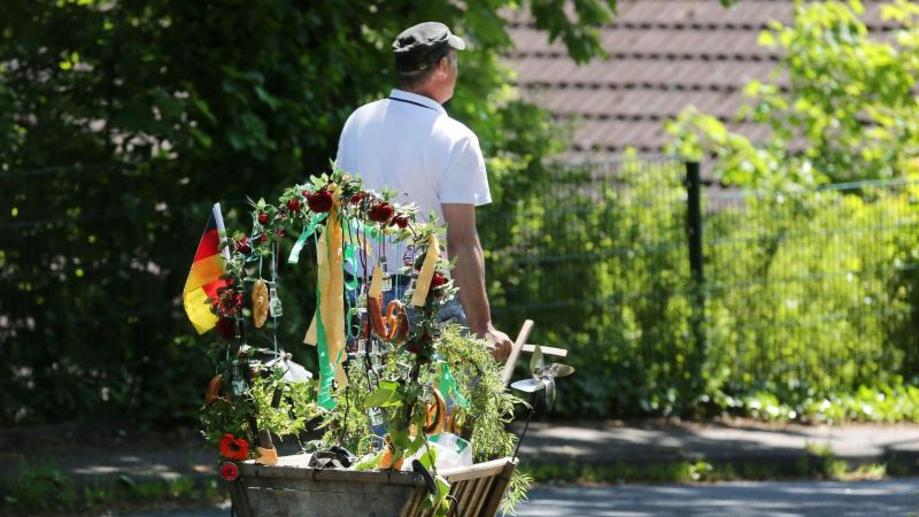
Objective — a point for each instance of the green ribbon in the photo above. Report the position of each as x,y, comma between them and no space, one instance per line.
326,371
450,388
350,264
308,231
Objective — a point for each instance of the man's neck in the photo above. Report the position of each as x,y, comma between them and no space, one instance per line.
425,92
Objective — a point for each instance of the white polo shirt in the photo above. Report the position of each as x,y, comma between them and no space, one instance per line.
409,144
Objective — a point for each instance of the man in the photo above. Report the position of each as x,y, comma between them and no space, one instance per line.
409,144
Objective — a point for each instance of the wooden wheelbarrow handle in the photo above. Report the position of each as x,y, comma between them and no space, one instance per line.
515,351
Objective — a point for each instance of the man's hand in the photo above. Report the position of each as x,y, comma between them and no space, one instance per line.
469,275
501,344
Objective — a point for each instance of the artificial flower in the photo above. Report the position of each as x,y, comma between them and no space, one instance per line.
243,246
226,327
229,471
400,221
234,448
319,202
381,212
438,280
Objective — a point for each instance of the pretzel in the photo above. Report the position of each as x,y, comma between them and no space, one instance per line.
436,419
213,390
386,460
395,325
259,303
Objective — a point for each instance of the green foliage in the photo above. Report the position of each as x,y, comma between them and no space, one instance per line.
491,406
813,312
121,122
600,266
811,295
516,493
812,463
840,105
40,487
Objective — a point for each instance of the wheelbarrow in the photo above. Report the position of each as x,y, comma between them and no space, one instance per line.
291,489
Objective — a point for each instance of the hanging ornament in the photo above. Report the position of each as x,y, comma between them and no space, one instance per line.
274,304
386,277
214,389
293,372
259,303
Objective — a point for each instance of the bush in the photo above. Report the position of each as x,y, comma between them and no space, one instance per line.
810,295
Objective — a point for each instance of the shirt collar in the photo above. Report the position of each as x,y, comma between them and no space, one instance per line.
420,99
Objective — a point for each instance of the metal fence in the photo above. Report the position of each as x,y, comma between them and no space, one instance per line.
668,290
671,289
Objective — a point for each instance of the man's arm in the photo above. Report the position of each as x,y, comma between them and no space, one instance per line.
469,275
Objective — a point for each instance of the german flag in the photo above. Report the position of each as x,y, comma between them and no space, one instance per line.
204,278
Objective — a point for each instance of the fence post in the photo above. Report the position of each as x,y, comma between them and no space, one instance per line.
697,290
694,221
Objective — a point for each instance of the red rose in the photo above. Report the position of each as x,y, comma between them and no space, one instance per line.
262,239
226,327
293,205
242,245
357,198
400,221
279,232
438,280
381,213
229,471
262,218
321,201
234,448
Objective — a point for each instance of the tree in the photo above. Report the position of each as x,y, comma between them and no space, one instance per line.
121,121
841,104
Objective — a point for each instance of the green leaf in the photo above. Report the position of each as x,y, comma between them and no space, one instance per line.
386,395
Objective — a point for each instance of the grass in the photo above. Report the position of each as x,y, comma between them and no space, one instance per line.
42,489
816,463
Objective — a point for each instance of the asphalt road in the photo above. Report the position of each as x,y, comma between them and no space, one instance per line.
897,497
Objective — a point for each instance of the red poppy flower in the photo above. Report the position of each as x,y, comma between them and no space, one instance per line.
229,471
234,448
381,213
319,202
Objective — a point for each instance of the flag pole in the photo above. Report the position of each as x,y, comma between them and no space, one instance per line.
221,230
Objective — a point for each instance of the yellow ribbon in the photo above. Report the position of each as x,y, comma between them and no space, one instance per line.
332,290
423,285
376,283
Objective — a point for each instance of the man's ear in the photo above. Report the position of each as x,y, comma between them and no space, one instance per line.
443,66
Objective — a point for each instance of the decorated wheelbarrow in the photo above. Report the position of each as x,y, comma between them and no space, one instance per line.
404,400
